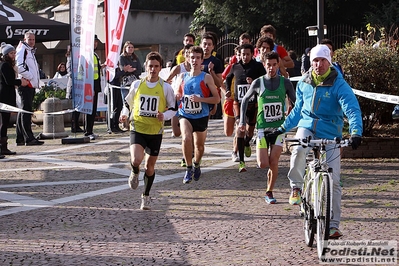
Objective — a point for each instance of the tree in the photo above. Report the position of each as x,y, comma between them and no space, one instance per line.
238,16
371,69
386,16
35,5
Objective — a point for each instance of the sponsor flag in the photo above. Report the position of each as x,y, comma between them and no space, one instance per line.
83,19
116,13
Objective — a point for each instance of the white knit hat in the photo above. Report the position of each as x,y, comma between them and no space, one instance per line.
320,50
6,48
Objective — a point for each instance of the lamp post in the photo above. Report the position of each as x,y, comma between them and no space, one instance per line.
320,29
320,20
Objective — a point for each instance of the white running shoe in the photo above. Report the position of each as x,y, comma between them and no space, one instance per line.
133,180
234,157
145,203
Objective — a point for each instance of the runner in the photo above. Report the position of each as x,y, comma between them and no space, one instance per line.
244,72
228,111
174,79
270,91
211,64
147,100
195,93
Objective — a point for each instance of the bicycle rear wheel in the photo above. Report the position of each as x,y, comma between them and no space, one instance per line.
309,223
323,219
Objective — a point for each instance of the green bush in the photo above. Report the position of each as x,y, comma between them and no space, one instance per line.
371,70
47,91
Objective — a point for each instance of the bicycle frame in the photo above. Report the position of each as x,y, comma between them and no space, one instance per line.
318,170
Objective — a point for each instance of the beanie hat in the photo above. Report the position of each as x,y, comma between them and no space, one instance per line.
6,48
322,51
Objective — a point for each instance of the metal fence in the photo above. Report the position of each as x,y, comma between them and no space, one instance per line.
297,39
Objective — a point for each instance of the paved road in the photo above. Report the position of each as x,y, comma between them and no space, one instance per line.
71,205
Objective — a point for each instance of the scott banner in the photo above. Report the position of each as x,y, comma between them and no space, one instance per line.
116,13
83,19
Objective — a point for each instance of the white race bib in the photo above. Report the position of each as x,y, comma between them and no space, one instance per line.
191,107
242,90
272,111
148,105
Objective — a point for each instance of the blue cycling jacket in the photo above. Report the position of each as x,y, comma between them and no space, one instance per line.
321,108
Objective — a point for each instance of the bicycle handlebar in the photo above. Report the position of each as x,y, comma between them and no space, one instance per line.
306,142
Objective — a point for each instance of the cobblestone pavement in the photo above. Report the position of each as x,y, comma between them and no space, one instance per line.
71,205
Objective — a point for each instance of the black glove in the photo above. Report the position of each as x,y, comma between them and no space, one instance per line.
275,133
355,141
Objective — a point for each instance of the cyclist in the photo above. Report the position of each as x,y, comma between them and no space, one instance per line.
270,90
323,97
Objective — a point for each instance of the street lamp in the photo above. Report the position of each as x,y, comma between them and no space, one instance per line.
313,30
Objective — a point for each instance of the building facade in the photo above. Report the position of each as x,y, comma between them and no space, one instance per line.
148,30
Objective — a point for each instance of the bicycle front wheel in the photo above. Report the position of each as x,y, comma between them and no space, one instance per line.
309,222
323,219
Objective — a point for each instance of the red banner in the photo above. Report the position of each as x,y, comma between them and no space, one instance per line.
116,13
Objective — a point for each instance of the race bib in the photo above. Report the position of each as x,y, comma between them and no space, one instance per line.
272,112
242,90
148,105
191,107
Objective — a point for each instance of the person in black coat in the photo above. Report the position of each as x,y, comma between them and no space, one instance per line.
8,81
117,101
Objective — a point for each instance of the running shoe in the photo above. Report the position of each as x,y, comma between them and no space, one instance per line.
133,180
295,197
234,157
145,203
269,198
197,173
335,233
188,177
247,151
183,163
241,167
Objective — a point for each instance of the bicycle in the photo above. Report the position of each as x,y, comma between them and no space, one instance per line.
317,185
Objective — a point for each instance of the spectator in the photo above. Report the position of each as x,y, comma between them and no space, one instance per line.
28,68
89,121
61,71
117,101
8,82
129,58
131,73
75,128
